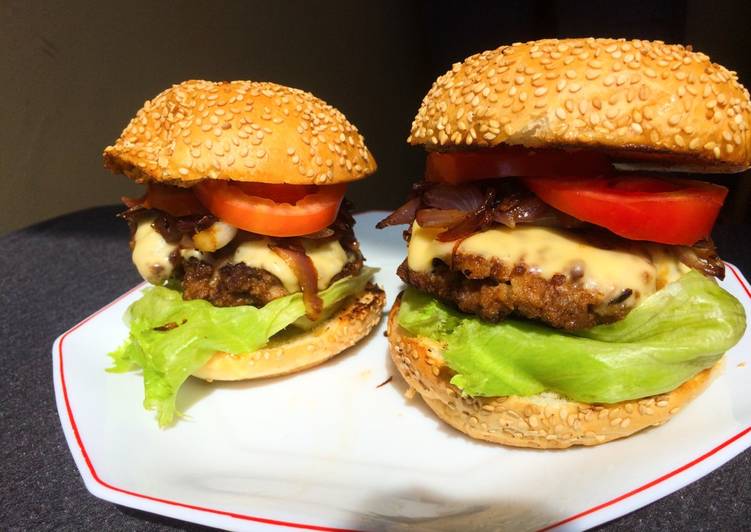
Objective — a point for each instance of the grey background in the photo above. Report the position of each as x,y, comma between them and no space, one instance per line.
72,73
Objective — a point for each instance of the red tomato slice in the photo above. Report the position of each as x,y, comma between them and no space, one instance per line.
279,193
513,161
173,200
230,202
668,211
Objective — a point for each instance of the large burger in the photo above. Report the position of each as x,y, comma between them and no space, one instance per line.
561,275
245,234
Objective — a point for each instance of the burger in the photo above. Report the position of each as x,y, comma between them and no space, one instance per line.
561,276
245,234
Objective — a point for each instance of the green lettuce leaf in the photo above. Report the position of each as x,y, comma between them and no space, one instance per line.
168,356
674,334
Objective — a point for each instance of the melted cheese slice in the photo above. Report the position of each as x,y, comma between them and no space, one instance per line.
642,267
328,257
151,253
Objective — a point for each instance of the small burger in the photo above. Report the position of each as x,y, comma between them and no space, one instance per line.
561,275
244,233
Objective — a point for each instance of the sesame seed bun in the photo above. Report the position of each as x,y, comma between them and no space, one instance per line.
241,131
290,353
642,101
544,421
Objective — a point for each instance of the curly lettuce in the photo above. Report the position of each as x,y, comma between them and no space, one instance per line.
171,338
673,335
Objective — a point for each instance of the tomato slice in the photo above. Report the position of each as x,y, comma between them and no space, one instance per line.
280,193
668,211
173,200
513,161
262,214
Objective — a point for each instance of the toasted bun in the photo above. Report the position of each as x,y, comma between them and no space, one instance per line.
239,130
544,421
303,350
636,99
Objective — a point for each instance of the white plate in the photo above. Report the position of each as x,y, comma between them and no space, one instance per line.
330,448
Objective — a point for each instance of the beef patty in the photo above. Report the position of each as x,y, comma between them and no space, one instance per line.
494,290
232,285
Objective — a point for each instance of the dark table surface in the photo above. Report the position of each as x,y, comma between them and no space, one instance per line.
54,274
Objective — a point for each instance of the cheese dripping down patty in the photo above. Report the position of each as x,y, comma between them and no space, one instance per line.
328,258
151,255
641,267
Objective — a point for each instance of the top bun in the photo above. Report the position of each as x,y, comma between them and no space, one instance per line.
638,100
239,130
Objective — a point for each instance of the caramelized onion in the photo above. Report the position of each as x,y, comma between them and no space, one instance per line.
191,225
479,220
166,225
467,198
403,215
703,257
469,208
294,255
440,217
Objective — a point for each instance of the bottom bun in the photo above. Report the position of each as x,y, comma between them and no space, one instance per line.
543,421
290,352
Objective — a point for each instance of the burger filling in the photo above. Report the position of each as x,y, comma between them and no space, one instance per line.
214,260
494,249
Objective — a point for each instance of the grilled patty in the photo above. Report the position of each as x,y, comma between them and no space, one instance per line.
493,290
232,285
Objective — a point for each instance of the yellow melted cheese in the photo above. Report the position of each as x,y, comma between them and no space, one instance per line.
151,253
328,258
642,267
